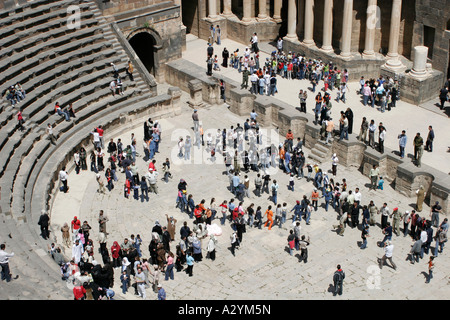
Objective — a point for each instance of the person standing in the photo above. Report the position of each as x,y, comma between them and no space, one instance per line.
303,95
4,263
443,97
406,221
338,280
363,130
384,215
364,235
431,265
434,213
63,176
381,139
372,129
334,163
304,243
161,292
129,70
402,139
373,175
417,143
43,223
50,134
396,217
225,56
245,75
140,283
388,251
430,138
420,198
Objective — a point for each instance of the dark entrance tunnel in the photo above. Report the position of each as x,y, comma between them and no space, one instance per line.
143,44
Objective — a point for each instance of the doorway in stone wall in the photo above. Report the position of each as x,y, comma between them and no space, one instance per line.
143,43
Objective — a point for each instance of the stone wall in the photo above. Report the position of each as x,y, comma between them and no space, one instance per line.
403,175
434,14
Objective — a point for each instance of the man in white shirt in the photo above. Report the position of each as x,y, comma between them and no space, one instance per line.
113,87
388,251
50,134
63,178
255,43
151,176
334,163
4,263
96,137
358,196
254,81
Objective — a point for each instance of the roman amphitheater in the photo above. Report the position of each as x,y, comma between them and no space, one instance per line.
62,50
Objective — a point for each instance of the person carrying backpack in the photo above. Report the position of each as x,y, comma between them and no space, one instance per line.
338,279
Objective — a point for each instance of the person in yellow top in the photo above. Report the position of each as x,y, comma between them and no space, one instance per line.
269,214
129,70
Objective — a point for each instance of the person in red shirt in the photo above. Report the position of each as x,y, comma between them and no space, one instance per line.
79,292
152,165
115,253
198,213
100,135
20,120
75,224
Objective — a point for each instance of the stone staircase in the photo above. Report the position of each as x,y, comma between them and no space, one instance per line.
52,63
321,152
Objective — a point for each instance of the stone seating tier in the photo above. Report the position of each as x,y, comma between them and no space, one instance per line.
53,28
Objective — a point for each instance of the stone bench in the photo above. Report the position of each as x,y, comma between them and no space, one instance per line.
22,62
42,33
36,11
30,82
84,86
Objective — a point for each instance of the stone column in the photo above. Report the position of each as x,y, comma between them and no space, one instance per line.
227,8
327,25
262,15
347,29
247,11
393,61
212,9
292,20
309,22
370,28
277,10
419,69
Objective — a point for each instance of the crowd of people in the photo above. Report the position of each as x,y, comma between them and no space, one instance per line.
383,93
244,151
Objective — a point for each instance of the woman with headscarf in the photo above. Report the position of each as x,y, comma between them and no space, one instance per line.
115,253
161,256
420,198
212,247
171,225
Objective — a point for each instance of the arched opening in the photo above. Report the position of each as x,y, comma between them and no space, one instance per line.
143,44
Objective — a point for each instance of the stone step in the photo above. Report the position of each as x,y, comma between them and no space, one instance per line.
319,153
33,10
30,82
315,158
47,33
84,86
55,19
67,82
12,69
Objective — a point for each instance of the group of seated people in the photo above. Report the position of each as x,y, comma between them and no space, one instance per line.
15,94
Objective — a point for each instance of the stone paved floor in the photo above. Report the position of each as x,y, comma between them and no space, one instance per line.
262,268
405,116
